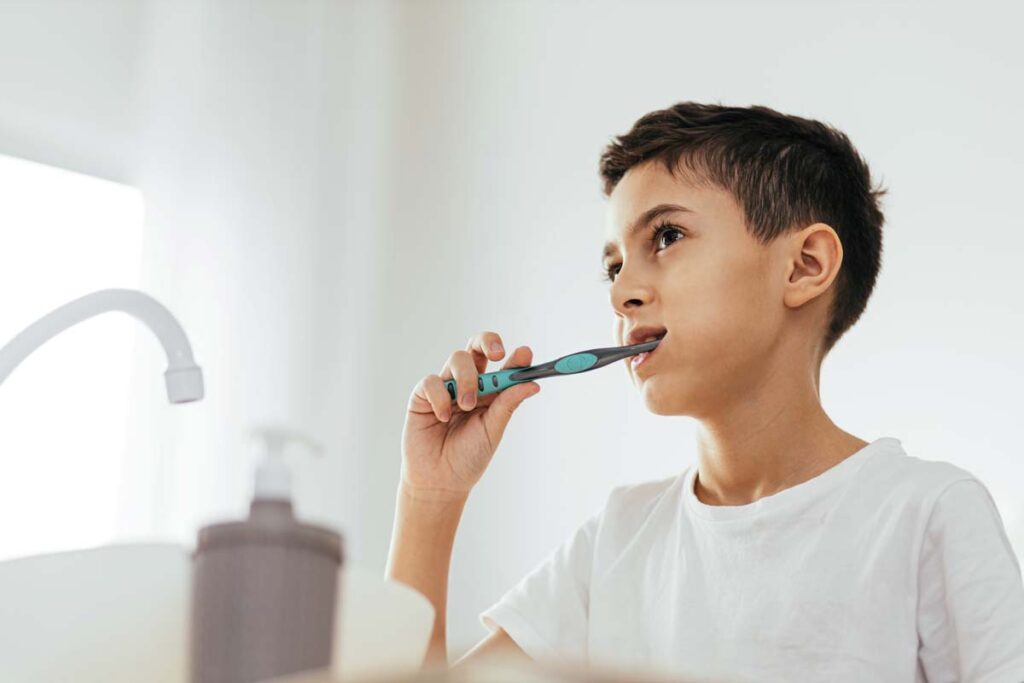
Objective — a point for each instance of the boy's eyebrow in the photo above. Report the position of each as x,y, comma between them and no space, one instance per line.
645,218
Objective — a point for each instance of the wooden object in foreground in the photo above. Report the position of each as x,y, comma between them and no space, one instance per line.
495,668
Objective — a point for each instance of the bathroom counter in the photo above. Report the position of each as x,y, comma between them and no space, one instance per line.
495,668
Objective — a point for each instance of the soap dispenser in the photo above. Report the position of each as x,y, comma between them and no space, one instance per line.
264,589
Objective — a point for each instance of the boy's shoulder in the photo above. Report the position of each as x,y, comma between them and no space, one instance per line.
897,476
628,505
645,491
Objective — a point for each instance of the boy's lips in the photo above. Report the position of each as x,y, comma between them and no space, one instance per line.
641,333
644,359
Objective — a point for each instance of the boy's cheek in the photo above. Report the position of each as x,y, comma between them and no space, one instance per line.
722,330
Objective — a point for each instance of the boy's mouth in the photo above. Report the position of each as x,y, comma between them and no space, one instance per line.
642,333
641,358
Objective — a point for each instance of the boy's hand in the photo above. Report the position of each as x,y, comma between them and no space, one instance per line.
446,446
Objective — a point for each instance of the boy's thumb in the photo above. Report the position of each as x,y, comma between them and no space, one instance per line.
500,411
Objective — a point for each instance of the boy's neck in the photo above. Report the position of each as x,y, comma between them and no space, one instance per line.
752,454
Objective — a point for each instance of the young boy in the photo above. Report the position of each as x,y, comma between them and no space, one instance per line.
793,550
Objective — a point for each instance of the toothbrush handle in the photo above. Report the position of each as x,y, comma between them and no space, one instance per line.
488,382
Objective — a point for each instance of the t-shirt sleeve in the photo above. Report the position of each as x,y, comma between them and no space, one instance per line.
546,612
971,594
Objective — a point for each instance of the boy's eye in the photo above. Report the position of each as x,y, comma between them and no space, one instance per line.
609,276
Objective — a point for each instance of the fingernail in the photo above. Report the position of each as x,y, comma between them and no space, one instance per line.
496,347
468,400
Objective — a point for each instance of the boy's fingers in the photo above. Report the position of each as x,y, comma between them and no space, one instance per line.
522,357
482,347
464,373
500,411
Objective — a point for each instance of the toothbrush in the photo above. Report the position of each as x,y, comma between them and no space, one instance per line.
491,382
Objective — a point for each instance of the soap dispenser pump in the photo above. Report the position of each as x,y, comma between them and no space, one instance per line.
264,589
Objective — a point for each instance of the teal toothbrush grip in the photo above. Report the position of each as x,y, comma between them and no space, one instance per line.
577,362
488,382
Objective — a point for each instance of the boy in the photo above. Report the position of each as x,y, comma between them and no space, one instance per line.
793,550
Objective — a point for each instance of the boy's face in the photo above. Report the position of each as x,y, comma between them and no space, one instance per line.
717,291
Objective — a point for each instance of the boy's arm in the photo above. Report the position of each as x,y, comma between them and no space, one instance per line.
420,555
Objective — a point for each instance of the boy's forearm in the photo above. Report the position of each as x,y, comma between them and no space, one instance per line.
420,555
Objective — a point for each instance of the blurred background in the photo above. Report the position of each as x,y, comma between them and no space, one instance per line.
334,196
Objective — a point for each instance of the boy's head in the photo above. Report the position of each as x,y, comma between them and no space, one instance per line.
775,259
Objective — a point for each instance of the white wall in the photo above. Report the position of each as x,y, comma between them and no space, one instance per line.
340,194
68,76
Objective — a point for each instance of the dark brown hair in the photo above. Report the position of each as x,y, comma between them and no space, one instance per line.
786,172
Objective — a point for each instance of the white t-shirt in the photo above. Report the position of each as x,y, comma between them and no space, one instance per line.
885,567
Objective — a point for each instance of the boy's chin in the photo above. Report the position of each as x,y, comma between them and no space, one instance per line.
667,409
664,398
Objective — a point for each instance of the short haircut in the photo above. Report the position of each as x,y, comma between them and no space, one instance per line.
786,173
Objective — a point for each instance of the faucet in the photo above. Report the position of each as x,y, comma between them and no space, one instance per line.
183,377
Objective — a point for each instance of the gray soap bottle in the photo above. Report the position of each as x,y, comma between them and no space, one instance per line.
264,589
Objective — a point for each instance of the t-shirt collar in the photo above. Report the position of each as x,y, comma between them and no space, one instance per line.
812,488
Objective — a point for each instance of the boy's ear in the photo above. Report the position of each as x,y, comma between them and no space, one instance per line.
816,253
